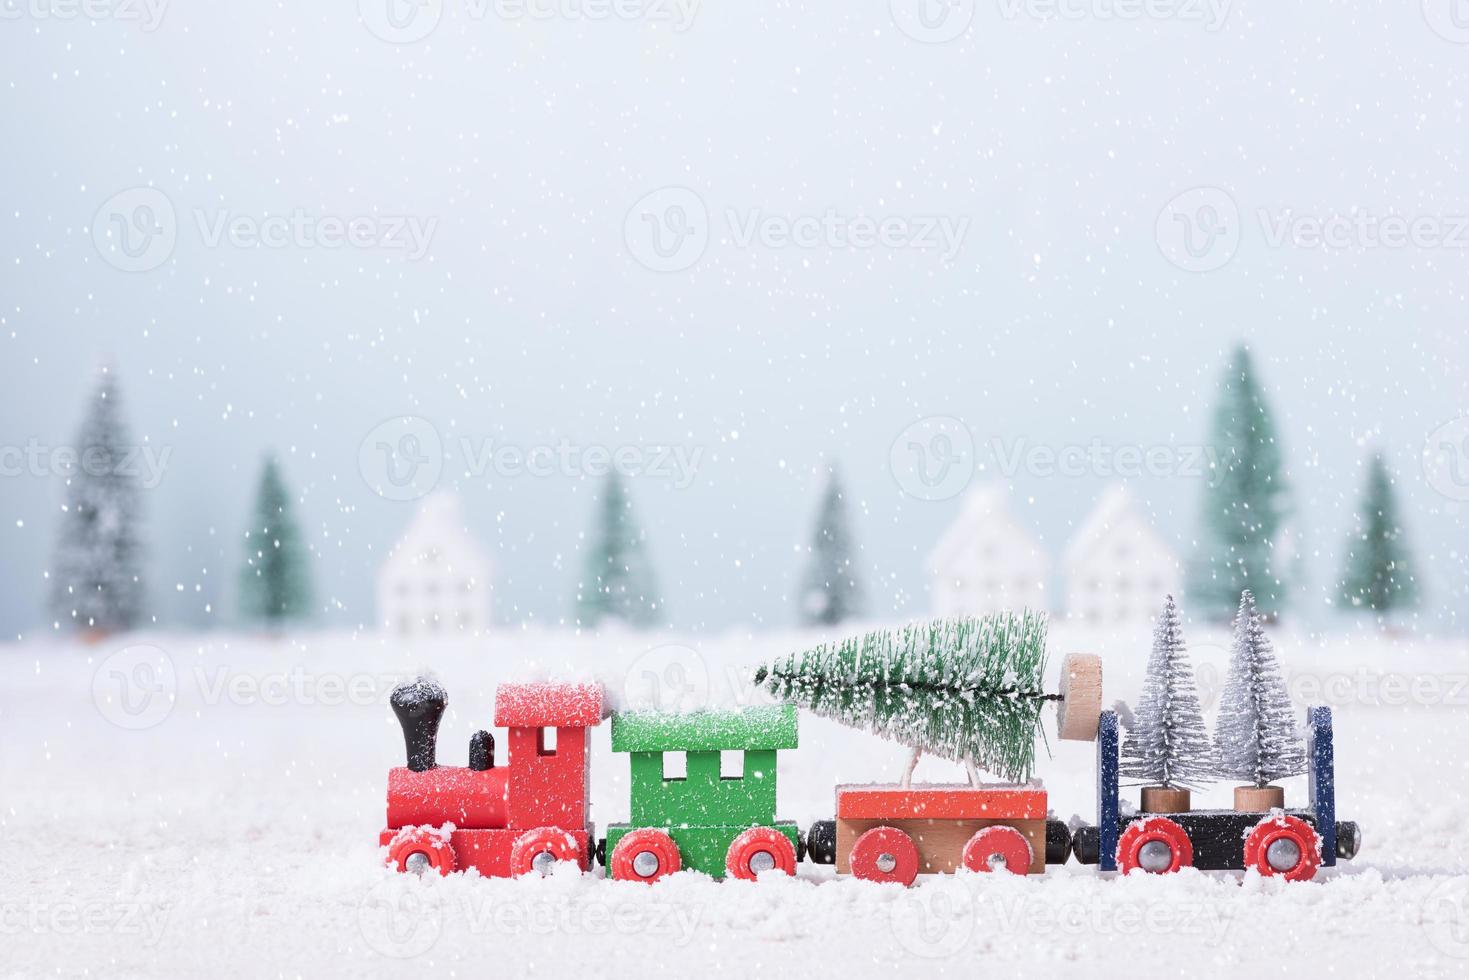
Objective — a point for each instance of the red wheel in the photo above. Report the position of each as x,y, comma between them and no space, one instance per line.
418,850
645,854
1155,844
885,854
760,849
538,850
1285,846
998,848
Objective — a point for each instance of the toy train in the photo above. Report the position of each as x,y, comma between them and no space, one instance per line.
525,816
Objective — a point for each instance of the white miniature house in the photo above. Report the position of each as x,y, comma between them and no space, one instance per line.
436,579
987,561
1118,568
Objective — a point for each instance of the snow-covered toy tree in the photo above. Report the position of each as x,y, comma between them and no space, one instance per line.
970,690
1168,745
1256,731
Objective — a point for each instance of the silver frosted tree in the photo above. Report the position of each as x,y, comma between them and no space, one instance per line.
1256,734
1168,744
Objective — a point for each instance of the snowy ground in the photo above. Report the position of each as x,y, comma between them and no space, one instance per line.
231,830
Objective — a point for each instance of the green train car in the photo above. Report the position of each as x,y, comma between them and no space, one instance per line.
718,817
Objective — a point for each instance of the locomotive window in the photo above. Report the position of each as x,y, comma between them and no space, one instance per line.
547,744
675,765
731,764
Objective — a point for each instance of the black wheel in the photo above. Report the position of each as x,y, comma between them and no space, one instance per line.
1348,839
600,852
1058,842
821,842
1086,845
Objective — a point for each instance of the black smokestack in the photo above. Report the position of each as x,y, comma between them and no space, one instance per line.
419,706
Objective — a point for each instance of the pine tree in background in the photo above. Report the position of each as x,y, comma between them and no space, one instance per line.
1244,503
1168,744
964,689
275,584
1379,572
619,580
1255,733
97,581
831,592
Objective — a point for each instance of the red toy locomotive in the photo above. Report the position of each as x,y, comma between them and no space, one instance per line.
501,821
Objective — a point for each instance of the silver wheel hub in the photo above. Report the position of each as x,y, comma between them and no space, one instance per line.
886,862
1283,854
761,861
417,863
645,864
1155,856
543,862
995,861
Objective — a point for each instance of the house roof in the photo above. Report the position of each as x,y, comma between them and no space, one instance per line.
986,505
1116,509
438,529
765,727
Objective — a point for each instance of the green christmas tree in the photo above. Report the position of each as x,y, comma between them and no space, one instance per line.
275,584
96,579
619,581
831,592
1244,503
1378,576
965,689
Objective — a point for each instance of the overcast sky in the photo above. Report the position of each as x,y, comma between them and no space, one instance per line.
606,231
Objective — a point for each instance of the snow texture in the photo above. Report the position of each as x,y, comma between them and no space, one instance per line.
230,830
